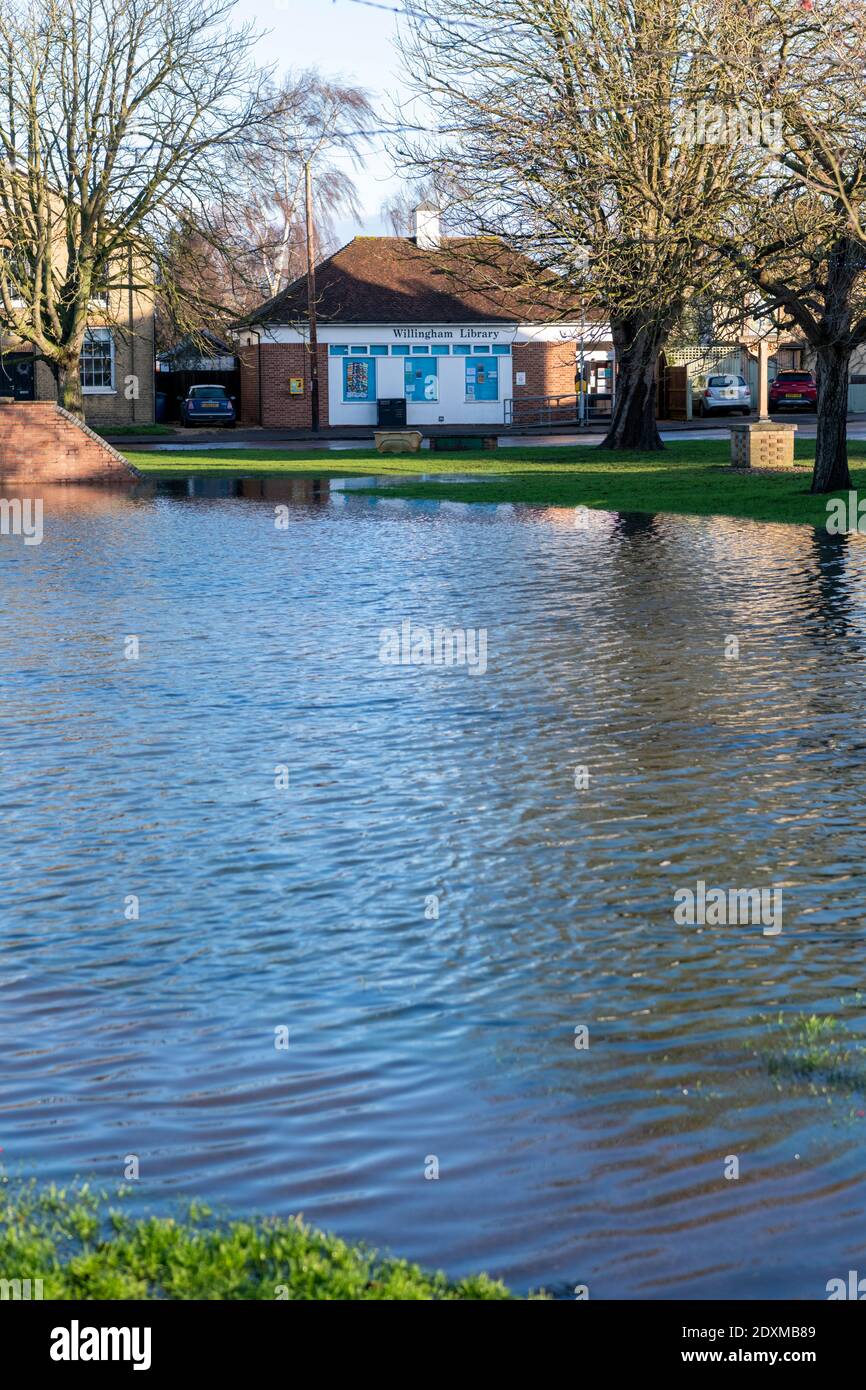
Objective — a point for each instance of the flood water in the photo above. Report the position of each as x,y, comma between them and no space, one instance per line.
169,904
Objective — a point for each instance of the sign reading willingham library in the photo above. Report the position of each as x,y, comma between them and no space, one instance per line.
462,335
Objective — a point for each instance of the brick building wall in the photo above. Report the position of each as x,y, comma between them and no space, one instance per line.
130,319
279,408
248,369
549,368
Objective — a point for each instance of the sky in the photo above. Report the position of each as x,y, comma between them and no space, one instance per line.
347,39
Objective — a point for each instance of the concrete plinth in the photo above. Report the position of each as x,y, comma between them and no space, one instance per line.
762,445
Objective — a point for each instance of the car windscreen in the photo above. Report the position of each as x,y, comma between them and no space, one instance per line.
726,381
208,393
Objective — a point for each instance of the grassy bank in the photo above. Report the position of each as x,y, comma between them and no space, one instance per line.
83,1247
689,476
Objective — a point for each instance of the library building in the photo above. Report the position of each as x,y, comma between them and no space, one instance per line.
417,331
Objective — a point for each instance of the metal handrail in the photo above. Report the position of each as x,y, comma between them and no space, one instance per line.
543,408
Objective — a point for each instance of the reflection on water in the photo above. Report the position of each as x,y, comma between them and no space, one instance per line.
166,907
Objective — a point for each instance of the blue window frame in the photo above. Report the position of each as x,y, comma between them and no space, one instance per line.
379,350
359,379
462,350
337,350
440,350
399,350
480,349
420,351
421,380
482,379
502,350
359,351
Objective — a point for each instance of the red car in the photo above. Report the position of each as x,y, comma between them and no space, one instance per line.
792,391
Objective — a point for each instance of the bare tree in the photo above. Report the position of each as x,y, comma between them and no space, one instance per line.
312,121
800,237
250,245
116,116
397,210
568,127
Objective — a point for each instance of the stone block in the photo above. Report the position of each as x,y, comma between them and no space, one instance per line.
762,445
398,441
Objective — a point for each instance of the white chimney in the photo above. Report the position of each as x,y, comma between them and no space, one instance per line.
426,218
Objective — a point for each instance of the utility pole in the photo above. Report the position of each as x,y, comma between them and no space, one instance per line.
311,300
581,406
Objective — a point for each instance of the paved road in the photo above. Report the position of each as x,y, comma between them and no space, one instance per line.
261,439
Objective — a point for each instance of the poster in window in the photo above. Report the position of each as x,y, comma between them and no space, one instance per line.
357,381
422,381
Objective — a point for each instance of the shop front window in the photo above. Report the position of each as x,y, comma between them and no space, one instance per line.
359,379
421,380
482,379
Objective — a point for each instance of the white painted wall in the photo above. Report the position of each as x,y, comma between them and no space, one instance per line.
452,408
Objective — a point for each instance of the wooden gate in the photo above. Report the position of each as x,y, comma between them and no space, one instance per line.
672,394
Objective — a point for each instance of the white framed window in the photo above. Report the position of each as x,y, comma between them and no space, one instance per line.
18,272
97,362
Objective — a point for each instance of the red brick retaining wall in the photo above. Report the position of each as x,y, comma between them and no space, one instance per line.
40,443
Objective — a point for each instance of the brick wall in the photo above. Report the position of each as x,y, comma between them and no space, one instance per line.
549,368
280,409
40,443
248,367
133,369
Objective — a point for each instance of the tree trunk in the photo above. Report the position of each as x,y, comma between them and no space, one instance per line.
831,444
67,375
637,344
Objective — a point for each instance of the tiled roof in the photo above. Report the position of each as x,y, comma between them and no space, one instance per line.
381,280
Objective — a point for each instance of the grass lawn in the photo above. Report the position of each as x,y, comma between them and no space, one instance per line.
128,431
83,1248
688,476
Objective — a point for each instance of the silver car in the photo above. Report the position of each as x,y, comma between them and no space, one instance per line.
721,394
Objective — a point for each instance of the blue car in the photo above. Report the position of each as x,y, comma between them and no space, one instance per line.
208,405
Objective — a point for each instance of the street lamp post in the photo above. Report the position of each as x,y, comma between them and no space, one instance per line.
311,299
